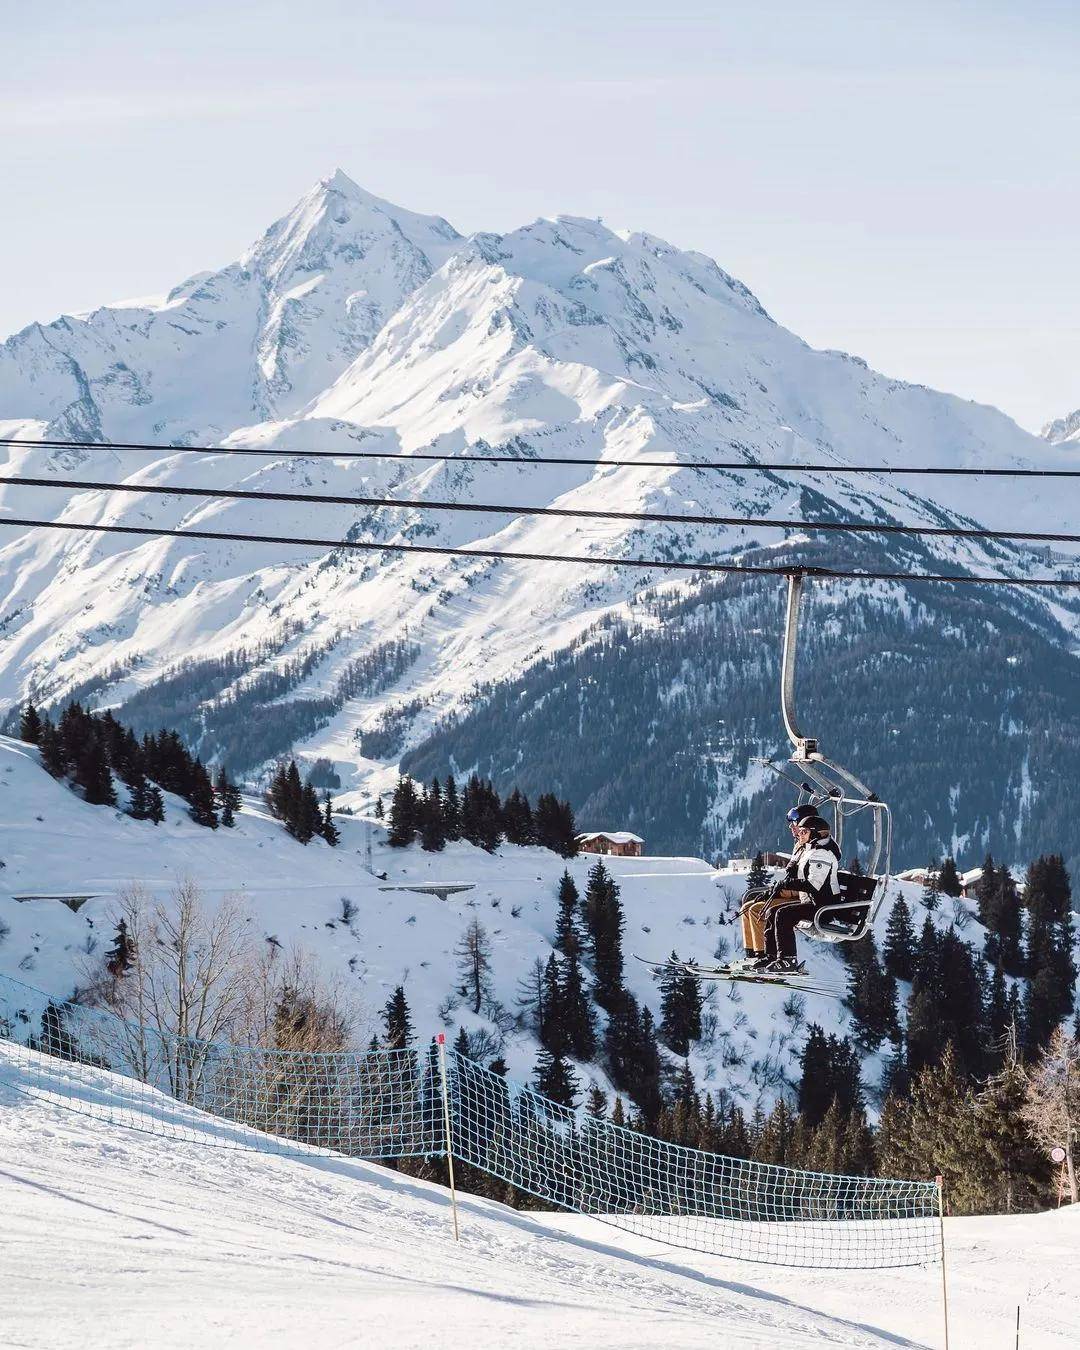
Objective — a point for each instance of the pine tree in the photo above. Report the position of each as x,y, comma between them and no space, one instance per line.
553,1032
201,797
139,803
567,937
404,814
30,724
604,920
758,877
227,798
680,1008
999,913
830,1071
328,829
555,1080
596,1102
1012,1169
451,805
899,948
555,826
1048,959
155,805
931,893
52,750
432,821
871,998
92,771
121,954
380,810
277,794
579,1024
948,879
517,820
397,1021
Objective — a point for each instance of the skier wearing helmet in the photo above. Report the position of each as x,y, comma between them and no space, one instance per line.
759,911
811,882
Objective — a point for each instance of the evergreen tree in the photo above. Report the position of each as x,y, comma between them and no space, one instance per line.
380,810
899,948
596,1102
871,998
432,821
227,798
139,804
948,879
680,1009
1048,998
30,724
999,913
404,814
155,804
201,797
555,1080
554,825
52,750
931,893
553,1033
517,819
121,954
567,937
397,1021
277,794
451,805
578,1021
604,921
328,829
1012,1169
830,1070
92,771
758,877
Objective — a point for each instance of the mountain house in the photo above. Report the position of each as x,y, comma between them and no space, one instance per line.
618,843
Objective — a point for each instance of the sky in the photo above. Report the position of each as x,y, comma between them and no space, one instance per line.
894,180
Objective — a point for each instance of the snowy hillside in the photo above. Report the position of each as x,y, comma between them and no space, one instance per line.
52,844
354,325
164,1245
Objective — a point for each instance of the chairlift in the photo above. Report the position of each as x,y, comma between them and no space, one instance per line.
830,784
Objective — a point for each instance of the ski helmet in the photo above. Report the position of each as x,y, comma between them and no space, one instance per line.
798,814
817,825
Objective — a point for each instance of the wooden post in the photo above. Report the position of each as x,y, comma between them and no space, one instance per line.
944,1280
441,1040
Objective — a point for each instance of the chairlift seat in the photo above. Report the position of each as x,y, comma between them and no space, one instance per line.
848,919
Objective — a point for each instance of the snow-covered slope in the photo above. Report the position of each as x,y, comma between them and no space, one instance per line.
116,1238
1063,429
255,339
562,338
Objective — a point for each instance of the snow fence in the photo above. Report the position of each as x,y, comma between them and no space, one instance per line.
390,1104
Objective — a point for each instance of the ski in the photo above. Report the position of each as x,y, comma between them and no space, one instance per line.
801,981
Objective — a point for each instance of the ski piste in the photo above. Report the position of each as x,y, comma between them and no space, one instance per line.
805,983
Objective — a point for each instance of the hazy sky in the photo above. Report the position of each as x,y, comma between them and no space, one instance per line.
897,180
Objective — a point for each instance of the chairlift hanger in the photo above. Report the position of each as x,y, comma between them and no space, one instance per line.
830,783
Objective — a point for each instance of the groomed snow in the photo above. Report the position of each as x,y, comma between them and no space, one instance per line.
122,1240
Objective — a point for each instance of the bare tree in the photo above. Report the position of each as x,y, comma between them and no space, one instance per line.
474,962
1053,1100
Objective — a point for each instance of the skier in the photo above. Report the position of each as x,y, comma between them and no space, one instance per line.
815,864
758,911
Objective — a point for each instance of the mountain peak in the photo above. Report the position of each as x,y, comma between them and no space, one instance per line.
1062,429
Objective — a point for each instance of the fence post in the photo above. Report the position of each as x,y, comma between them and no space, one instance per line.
944,1282
441,1041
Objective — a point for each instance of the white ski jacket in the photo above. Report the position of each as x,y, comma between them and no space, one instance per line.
816,869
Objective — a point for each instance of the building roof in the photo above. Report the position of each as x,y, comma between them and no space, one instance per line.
612,836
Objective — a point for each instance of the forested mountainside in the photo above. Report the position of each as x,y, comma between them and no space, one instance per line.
961,709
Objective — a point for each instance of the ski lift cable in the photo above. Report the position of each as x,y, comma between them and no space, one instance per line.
731,466
781,569
578,513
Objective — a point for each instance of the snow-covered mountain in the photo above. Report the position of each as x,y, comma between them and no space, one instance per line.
356,325
1063,429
